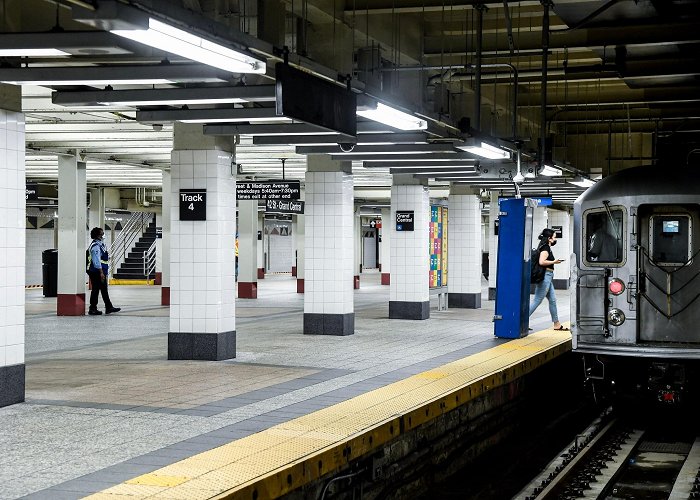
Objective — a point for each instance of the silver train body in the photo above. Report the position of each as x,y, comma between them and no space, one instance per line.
635,279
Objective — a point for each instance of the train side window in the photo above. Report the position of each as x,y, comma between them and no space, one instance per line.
605,235
670,239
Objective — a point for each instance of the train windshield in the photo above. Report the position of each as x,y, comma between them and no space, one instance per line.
670,239
604,236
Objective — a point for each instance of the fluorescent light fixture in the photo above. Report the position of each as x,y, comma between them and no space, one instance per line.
32,53
583,182
485,150
265,119
172,102
393,117
50,83
169,39
551,171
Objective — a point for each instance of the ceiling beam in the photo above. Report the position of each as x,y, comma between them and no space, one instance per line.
364,139
419,149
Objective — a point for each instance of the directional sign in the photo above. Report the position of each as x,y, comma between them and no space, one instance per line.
284,207
31,192
193,204
268,190
404,220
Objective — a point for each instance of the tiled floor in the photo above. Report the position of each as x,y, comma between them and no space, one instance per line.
104,404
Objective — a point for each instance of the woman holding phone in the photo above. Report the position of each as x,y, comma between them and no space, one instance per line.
548,239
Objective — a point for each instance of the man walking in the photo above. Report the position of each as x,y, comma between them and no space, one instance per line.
98,270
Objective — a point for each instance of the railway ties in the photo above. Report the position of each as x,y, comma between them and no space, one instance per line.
687,483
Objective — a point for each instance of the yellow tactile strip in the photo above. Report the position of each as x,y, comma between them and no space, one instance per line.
284,457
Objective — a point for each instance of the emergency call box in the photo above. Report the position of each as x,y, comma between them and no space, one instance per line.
193,204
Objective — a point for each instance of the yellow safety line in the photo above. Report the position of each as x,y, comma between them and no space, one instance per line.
282,458
131,282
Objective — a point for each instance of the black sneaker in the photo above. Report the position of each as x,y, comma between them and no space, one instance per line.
95,312
113,310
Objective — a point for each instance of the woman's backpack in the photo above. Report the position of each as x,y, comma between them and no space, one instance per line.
536,271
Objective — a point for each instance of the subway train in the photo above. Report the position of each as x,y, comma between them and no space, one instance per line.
635,283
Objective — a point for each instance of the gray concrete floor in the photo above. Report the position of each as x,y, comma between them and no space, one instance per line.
104,404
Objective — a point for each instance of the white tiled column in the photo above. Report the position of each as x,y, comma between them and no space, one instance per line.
12,254
493,244
301,237
409,295
357,248
248,249
72,215
96,212
166,239
328,273
261,247
202,268
539,222
385,246
464,258
563,249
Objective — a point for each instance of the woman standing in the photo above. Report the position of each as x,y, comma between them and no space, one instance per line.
548,239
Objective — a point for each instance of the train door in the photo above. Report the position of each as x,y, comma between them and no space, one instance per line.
669,269
369,248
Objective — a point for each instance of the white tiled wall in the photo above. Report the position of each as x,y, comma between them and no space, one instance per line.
493,239
385,244
464,257
12,238
564,245
410,261
539,222
202,259
37,240
328,235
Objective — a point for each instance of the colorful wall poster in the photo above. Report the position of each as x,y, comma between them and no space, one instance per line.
438,246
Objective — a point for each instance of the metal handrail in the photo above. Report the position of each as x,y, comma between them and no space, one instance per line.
149,260
129,234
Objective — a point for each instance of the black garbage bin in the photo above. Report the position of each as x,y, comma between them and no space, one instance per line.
49,269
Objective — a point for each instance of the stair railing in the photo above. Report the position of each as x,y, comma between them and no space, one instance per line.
149,261
129,234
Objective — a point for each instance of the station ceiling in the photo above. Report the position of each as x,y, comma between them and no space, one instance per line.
621,86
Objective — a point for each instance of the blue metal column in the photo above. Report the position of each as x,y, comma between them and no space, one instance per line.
513,274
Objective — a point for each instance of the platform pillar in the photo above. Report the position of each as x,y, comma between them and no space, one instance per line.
493,243
72,237
409,295
12,246
559,219
357,248
248,249
328,292
96,212
464,229
301,236
261,246
165,242
202,268
385,247
539,222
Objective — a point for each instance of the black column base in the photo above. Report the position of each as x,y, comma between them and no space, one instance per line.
561,284
329,324
409,310
492,293
202,346
464,300
11,384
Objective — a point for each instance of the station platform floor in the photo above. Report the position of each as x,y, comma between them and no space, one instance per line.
104,405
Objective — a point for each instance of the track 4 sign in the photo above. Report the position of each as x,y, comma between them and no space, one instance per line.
193,204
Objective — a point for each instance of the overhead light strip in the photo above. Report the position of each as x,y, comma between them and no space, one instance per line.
176,41
392,117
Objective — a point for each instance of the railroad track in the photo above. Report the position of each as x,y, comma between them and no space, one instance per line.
614,458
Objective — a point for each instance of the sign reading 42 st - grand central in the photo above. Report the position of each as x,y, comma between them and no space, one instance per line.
268,190
193,204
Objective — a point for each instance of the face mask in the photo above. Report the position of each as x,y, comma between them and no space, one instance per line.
553,243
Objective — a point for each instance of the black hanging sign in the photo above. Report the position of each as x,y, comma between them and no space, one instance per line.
404,220
31,191
284,206
268,190
558,231
193,204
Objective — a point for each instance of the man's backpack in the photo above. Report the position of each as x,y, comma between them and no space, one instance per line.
536,271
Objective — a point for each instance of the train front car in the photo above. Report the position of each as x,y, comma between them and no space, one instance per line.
636,281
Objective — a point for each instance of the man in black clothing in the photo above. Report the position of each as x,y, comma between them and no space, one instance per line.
98,270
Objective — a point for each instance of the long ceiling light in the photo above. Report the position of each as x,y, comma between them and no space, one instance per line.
32,53
580,181
551,171
170,39
485,150
392,117
56,83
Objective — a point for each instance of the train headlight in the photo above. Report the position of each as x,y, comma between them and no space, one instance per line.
616,286
616,317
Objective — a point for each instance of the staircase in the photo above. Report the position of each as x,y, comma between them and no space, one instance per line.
132,268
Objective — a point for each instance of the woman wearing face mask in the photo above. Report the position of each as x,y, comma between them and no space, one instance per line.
548,239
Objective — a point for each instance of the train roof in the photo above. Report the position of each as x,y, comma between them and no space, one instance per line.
645,180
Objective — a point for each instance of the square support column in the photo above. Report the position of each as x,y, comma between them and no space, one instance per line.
493,244
409,294
385,247
165,240
563,249
72,238
464,228
12,255
328,289
248,249
357,249
202,268
301,241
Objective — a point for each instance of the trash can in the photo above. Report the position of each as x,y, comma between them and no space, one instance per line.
49,269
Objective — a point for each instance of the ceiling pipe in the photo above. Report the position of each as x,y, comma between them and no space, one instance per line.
480,8
546,4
